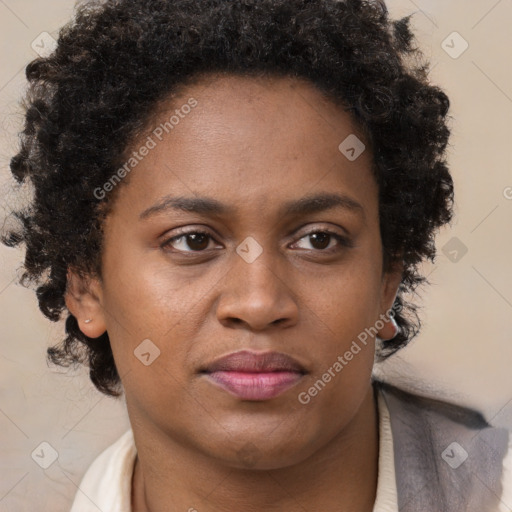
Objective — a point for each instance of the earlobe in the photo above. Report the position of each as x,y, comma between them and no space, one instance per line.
83,300
389,328
391,283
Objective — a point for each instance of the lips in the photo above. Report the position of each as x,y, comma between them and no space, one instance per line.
254,376
254,362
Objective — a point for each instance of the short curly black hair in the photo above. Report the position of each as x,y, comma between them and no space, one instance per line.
117,59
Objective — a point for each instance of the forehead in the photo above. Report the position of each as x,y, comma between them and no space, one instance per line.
252,139
271,102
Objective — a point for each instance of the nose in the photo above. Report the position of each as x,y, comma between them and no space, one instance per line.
257,295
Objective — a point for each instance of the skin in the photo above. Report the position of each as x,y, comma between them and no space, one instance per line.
252,144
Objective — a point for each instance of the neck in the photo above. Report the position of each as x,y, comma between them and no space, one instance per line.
168,476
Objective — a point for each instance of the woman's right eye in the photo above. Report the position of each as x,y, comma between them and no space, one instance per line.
196,241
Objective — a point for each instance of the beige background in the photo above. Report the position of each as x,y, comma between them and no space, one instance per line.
465,349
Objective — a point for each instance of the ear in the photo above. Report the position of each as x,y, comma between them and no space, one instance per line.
83,299
390,283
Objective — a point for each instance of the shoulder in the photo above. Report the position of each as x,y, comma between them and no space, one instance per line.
432,406
107,482
447,455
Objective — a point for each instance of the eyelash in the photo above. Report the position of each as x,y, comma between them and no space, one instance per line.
342,240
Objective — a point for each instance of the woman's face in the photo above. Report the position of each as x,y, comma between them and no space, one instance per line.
245,162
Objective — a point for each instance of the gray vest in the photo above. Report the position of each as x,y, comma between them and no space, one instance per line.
447,457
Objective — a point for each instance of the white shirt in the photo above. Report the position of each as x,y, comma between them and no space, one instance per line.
106,486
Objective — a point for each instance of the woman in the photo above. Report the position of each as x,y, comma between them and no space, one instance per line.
231,202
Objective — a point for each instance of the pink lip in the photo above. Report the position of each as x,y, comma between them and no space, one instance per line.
255,375
255,362
255,386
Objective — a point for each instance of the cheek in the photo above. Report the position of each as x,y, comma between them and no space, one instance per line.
145,300
348,300
144,292
151,321
344,353
344,309
348,338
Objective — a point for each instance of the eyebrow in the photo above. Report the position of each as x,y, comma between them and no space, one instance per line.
208,206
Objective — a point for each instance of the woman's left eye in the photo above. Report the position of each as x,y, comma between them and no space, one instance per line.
320,240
